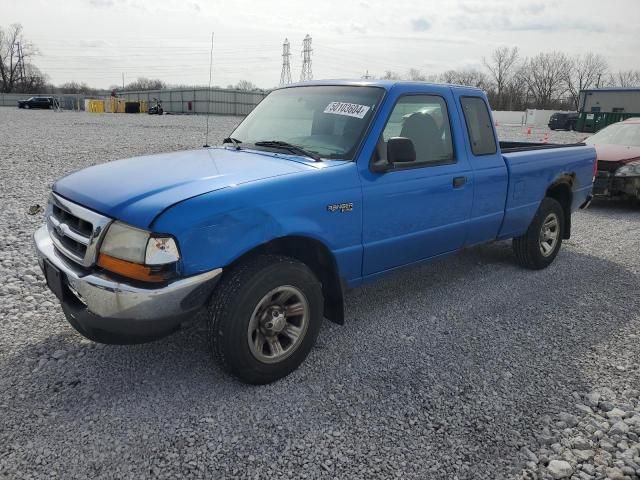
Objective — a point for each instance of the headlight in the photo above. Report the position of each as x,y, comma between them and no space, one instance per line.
125,242
630,170
138,254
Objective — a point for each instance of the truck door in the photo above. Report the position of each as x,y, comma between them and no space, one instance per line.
420,209
491,178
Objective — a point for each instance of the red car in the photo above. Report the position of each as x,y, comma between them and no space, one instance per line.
618,150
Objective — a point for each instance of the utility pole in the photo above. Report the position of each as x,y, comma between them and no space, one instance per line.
306,74
122,80
285,76
366,76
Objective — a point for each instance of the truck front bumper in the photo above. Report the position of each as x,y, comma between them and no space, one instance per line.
107,310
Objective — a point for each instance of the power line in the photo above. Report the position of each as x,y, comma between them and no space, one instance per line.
306,74
285,75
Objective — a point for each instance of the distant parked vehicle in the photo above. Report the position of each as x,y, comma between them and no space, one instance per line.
157,108
36,102
563,121
618,150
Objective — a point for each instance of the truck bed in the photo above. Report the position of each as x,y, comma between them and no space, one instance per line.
507,147
533,168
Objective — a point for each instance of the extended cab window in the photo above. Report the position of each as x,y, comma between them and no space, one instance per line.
424,120
478,122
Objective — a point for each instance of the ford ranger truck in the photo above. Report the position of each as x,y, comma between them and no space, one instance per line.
323,187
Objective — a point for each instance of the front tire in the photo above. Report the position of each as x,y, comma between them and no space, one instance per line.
540,244
264,318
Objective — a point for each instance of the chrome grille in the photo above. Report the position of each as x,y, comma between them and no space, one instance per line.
75,231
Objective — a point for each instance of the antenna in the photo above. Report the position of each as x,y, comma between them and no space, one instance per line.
285,76
206,136
306,73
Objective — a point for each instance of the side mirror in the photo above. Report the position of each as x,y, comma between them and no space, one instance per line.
400,150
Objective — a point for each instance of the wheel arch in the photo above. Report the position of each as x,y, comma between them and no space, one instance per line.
562,191
319,258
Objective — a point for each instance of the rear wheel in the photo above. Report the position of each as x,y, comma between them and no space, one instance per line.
264,318
538,247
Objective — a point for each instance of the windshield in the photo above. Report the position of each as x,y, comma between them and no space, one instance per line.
627,134
327,120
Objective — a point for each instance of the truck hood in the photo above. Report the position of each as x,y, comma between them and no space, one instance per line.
136,190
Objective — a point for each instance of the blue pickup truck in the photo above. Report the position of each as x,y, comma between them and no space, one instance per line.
323,187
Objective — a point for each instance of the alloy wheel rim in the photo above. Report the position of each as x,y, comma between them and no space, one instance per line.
549,234
278,324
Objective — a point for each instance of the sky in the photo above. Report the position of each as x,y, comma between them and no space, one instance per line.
97,41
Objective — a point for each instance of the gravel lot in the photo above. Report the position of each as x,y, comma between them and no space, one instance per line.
469,368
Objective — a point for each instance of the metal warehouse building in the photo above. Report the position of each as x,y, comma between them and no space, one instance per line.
610,100
603,106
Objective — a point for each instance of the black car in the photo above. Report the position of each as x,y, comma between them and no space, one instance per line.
563,121
36,102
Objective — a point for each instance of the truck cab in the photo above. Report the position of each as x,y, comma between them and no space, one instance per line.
323,187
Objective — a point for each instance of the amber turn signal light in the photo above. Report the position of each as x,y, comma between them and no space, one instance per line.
129,269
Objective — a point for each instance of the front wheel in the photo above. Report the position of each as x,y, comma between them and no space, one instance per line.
264,318
538,247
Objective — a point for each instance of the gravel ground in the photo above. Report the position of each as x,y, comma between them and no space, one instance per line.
469,368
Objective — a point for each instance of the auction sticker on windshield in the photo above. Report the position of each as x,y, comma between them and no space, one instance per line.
348,109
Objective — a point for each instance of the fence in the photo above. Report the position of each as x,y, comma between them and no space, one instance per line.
181,100
199,100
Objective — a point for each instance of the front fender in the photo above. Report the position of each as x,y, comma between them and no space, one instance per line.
215,229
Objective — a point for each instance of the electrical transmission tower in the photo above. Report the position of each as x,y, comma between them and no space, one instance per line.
285,76
306,73
20,63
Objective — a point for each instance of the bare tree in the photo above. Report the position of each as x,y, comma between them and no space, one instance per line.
416,75
502,66
546,78
15,52
76,87
244,85
34,81
625,78
391,75
470,77
585,71
143,83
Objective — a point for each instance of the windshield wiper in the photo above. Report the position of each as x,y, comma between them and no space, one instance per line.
235,141
288,146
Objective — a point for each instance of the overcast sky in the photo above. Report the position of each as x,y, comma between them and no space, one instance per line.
97,40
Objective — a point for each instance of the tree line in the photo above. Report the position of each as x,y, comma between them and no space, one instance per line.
548,80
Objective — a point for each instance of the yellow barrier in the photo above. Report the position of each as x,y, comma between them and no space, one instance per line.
116,105
96,106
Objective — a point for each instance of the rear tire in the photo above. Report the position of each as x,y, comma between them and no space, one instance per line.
264,318
540,244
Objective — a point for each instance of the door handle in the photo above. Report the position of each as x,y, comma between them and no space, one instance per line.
459,181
